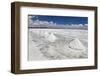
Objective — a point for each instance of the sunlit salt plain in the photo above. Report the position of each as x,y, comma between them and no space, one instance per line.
57,44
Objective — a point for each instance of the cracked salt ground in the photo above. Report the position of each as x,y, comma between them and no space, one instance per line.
53,46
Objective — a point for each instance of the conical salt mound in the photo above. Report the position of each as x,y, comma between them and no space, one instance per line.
76,44
46,34
51,37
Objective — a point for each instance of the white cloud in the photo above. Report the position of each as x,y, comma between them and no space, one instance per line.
30,17
50,23
86,24
38,22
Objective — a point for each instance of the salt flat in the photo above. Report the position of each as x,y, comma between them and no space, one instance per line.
57,44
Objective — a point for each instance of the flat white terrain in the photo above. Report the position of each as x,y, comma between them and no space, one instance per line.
57,44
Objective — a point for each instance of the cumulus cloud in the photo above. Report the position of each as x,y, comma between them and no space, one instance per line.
85,24
30,17
39,22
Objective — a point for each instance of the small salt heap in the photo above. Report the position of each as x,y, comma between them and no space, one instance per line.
76,44
51,37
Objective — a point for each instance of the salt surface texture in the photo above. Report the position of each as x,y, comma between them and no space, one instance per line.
53,44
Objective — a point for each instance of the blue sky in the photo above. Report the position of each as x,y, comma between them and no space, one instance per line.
61,19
